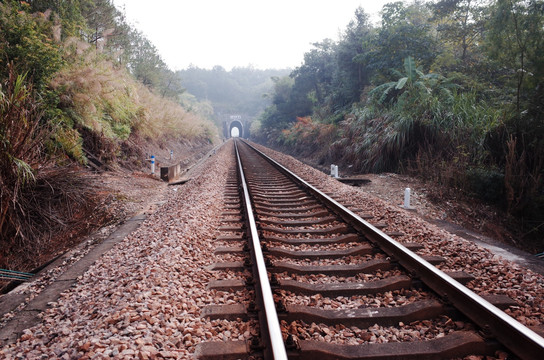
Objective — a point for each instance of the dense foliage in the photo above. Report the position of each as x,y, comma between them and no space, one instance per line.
75,81
451,90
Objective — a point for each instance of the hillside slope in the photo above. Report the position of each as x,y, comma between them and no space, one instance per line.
78,89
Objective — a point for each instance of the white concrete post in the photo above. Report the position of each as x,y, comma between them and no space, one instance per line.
153,164
407,198
334,170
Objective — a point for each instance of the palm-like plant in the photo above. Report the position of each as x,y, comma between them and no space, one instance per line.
410,112
412,86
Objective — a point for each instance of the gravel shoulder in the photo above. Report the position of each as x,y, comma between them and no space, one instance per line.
141,297
477,223
129,197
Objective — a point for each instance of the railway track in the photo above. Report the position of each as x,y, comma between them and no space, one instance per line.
326,283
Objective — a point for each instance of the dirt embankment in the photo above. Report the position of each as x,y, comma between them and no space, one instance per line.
122,190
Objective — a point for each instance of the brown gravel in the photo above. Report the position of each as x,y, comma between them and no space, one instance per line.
415,331
124,195
128,195
324,279
387,299
143,298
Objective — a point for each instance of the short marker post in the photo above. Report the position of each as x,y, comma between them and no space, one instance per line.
407,199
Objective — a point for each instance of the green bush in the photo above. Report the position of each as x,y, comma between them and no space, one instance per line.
27,40
69,141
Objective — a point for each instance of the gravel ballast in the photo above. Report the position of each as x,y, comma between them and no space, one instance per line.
493,274
143,298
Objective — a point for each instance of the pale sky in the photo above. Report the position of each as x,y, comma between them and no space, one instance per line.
260,33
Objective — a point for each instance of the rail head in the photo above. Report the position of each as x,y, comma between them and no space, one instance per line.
519,339
274,335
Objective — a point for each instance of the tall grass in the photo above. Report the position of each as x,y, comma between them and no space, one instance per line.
102,100
43,195
164,117
307,137
435,125
73,97
21,141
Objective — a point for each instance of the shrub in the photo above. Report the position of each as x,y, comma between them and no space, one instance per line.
38,198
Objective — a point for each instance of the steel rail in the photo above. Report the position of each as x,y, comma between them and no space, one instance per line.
274,330
516,337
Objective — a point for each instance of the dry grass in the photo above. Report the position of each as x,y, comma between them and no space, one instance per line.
21,140
106,99
164,117
46,201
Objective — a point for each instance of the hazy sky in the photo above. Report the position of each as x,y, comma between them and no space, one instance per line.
261,33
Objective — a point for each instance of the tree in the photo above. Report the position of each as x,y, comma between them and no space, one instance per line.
102,19
516,40
462,24
352,73
405,32
69,13
283,87
316,73
516,43
285,108
238,91
333,75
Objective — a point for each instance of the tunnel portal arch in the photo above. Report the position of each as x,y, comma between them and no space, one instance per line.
236,124
240,122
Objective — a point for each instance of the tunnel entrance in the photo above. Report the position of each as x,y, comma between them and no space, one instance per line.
236,129
236,126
